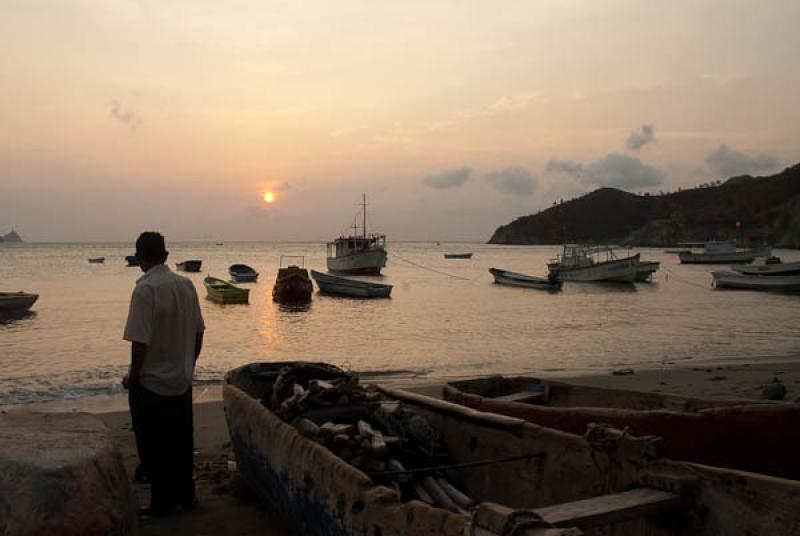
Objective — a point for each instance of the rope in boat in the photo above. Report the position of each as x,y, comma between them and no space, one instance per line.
480,463
430,269
682,280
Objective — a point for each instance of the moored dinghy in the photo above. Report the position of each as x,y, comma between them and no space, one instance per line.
458,255
189,266
729,433
343,286
241,273
514,279
97,260
16,302
736,280
222,291
291,440
770,266
131,261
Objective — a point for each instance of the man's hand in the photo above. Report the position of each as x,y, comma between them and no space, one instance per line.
126,382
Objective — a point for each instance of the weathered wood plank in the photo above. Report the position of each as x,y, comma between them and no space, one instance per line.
607,509
524,397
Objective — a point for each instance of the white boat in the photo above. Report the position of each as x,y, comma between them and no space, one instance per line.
593,263
724,252
646,269
342,286
16,302
514,279
724,279
358,253
769,266
241,273
458,255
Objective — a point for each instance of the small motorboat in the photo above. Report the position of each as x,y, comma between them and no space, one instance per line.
97,260
189,266
241,273
514,279
292,286
16,302
770,266
342,286
755,282
131,260
224,292
458,255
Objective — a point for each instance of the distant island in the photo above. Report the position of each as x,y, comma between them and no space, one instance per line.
768,209
12,236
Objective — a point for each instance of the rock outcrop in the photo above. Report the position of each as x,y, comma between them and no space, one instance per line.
768,209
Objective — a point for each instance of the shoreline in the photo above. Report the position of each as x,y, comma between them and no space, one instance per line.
642,379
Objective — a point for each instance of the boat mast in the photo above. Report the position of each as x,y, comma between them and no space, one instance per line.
364,228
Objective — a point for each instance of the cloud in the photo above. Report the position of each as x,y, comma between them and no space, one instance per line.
565,167
637,140
283,187
725,162
622,171
452,178
124,115
514,103
512,180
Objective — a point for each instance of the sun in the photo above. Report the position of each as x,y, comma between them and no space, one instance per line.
269,197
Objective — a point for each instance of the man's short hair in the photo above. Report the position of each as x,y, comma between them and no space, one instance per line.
150,247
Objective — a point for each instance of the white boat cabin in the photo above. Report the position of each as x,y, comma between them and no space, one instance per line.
576,256
350,245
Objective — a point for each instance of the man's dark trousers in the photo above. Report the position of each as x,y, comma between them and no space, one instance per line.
165,440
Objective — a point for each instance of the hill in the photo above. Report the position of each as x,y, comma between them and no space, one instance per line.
767,207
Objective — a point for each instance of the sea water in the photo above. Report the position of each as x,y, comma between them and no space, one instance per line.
445,318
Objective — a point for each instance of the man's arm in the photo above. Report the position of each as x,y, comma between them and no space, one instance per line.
198,344
138,355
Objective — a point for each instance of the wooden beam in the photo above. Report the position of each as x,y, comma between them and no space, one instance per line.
608,509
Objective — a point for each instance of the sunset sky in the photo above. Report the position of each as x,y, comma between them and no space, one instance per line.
453,117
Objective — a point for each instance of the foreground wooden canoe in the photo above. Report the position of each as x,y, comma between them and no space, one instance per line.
605,483
743,434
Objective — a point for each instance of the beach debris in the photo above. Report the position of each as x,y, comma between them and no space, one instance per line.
774,390
622,372
389,441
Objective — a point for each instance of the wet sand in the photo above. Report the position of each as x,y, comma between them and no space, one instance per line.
227,507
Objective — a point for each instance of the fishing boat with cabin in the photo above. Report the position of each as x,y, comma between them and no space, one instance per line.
593,263
363,253
333,457
720,252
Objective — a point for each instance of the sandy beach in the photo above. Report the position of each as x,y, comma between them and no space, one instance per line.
227,507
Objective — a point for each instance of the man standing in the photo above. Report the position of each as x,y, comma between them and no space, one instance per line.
165,329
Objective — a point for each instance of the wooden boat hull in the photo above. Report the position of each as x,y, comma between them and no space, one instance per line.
360,263
189,266
223,292
777,269
726,433
646,269
458,255
341,286
513,279
619,270
553,479
292,286
242,274
735,280
16,302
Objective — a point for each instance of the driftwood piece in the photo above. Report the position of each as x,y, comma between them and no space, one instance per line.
456,495
439,496
423,495
608,509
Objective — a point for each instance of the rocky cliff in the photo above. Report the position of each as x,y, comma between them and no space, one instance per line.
767,207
